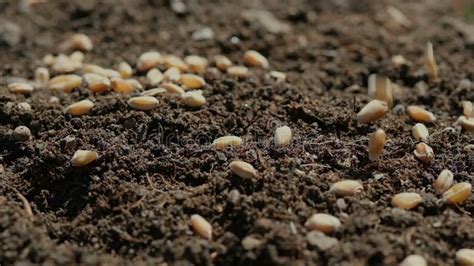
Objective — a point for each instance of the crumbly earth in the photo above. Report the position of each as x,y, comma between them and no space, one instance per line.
157,168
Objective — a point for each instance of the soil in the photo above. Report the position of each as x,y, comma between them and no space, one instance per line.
157,168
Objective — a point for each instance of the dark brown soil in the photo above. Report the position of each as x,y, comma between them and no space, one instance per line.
157,168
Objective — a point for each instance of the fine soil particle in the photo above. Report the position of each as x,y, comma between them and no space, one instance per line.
157,168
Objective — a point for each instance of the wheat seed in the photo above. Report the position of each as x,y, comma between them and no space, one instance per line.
153,92
106,72
96,82
279,76
81,42
431,66
83,157
197,64
466,123
77,56
227,141
414,260
243,169
125,70
41,77
465,257
467,109
172,88
172,74
419,114
325,223
283,136
201,227
48,59
64,64
126,86
458,193
420,132
80,108
377,142
399,60
154,76
193,98
444,181
175,61
222,62
143,103
192,81
424,153
20,88
380,88
149,60
406,200
255,59
346,188
238,71
372,111
65,83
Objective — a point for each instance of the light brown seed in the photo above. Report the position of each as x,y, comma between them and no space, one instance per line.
377,142
346,188
325,223
81,42
149,60
399,60
238,71
175,61
398,17
444,181
414,260
48,59
466,123
125,70
96,82
83,157
222,62
172,74
431,66
143,103
24,107
193,98
458,193
420,132
64,64
465,257
197,64
154,76
227,141
419,114
255,59
42,77
153,92
80,108
406,200
77,56
279,76
172,88
106,72
65,83
372,111
283,136
201,227
192,81
123,85
467,109
243,169
424,153
380,88
20,88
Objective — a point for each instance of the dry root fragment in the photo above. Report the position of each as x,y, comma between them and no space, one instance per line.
380,88
279,76
106,72
238,71
197,64
372,111
201,227
467,109
283,136
255,59
444,181
243,169
83,157
458,193
420,132
424,153
346,188
41,77
149,60
222,62
193,98
419,114
20,88
65,83
431,66
143,103
125,70
227,141
80,108
80,42
192,81
466,123
153,92
406,200
96,82
465,257
414,260
154,76
325,223
64,64
377,142
175,61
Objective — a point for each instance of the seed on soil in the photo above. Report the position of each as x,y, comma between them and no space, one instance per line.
64,64
193,98
377,142
175,61
125,70
106,72
227,141
238,71
424,153
466,123
20,88
154,76
325,223
250,242
77,56
197,64
96,82
346,188
283,136
380,88
192,81
143,103
81,42
444,181
24,107
255,59
431,66
465,257
243,169
21,133
41,77
222,62
398,17
172,88
48,59
406,200
458,193
414,260
153,92
420,132
80,108
126,86
419,114
279,76
83,157
149,60
467,109
172,74
65,83
399,60
372,111
201,227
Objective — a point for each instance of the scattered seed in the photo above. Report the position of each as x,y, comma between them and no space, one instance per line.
172,74
372,111
466,123
465,257
125,70
227,141
106,72
197,64
77,56
249,243
20,88
64,64
123,85
48,59
419,114
243,169
154,76
420,132
444,181
325,223
467,109
377,142
65,83
172,88
346,188
201,227
149,60
238,71
222,62
83,157
424,153
81,42
192,81
399,60
279,76
153,92
143,103
458,193
255,59
414,260
41,77
380,88
96,82
283,136
80,108
175,61
406,200
21,133
193,98
431,66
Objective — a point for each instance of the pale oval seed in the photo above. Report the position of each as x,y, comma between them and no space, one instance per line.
420,132
467,109
192,81
96,82
414,260
154,76
238,71
325,223
201,227
283,136
458,193
197,64
20,88
227,141
465,257
222,62
255,59
175,61
77,56
125,70
83,157
122,86
81,42
424,153
406,200
279,76
106,72
172,88
377,142
64,64
243,169
143,103
346,188
172,74
466,123
65,83
193,98
444,181
149,60
419,114
80,108
372,111
42,77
